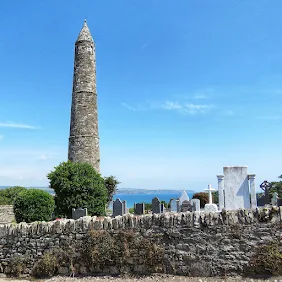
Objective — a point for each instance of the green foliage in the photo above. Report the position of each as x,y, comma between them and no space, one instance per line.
46,267
100,249
276,186
8,195
111,184
33,205
266,260
16,267
215,197
131,210
78,185
148,206
203,197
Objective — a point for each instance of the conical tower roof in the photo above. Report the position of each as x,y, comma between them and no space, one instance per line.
85,34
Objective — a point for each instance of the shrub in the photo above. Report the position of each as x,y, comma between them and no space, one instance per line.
78,185
33,205
267,259
111,184
102,249
203,197
16,267
46,267
8,195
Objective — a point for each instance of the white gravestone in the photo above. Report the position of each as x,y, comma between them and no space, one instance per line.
196,204
236,188
210,207
183,197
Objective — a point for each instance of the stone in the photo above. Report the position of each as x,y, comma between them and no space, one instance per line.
186,206
84,135
196,204
184,197
236,188
156,205
174,205
139,208
118,208
162,208
210,208
265,198
78,213
274,199
124,209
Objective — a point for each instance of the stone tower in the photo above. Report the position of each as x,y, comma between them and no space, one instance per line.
84,136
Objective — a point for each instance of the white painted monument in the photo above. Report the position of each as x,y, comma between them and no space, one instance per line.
183,197
236,188
210,207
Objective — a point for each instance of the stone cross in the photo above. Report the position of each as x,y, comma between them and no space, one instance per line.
210,189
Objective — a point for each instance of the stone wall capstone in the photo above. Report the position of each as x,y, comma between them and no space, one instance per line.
219,242
6,214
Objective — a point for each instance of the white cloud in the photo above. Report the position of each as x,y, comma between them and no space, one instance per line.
125,105
46,157
17,125
186,108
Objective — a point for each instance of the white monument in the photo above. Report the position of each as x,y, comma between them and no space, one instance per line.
236,188
210,207
183,197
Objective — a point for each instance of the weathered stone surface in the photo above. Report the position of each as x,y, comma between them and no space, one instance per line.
84,136
6,214
226,238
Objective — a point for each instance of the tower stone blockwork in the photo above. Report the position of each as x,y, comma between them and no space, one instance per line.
84,135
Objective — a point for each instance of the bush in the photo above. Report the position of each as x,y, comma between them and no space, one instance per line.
267,260
46,267
33,205
203,197
78,185
101,250
111,184
8,195
16,267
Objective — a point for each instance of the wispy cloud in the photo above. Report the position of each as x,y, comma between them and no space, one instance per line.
17,125
270,117
1,137
186,108
145,45
46,157
181,108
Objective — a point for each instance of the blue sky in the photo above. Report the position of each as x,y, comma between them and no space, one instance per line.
184,88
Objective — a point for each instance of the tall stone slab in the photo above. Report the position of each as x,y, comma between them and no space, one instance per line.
84,137
156,205
236,187
220,179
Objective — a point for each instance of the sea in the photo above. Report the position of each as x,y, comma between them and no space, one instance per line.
132,198
147,198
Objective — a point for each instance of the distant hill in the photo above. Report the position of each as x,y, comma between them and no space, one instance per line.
129,191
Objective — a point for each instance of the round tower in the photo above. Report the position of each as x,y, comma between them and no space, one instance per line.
84,136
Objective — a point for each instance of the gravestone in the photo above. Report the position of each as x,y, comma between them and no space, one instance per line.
118,208
163,208
265,198
210,207
274,199
139,208
184,197
124,209
196,204
78,213
156,205
236,188
174,205
186,206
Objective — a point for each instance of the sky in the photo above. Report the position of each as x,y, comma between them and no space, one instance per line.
184,88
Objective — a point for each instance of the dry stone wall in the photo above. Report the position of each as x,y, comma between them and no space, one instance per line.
6,214
194,243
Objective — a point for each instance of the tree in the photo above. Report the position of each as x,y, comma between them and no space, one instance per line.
276,186
111,184
203,197
33,205
78,185
8,195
